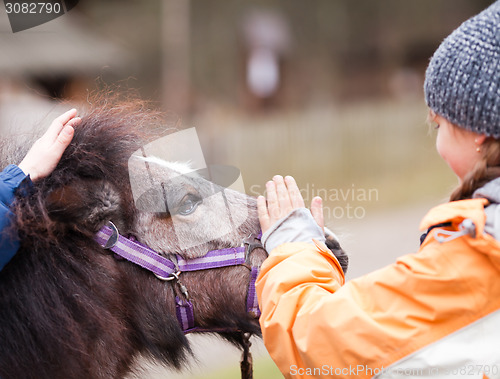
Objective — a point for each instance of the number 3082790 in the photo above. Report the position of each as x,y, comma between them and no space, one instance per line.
33,8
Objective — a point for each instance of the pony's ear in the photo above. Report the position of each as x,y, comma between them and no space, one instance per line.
84,205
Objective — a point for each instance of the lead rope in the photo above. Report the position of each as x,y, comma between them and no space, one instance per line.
246,363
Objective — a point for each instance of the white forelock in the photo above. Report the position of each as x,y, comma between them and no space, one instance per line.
179,167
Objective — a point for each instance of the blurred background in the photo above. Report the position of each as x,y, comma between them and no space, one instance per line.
329,91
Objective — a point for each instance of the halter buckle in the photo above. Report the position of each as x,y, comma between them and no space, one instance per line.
252,242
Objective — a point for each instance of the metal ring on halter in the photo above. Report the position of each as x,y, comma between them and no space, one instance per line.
174,275
113,239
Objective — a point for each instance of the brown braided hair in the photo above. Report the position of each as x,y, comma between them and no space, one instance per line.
487,169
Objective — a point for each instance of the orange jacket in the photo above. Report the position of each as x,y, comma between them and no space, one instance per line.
436,312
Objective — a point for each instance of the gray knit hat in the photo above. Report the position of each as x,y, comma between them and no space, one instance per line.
462,82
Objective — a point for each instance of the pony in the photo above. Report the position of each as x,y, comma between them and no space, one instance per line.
72,308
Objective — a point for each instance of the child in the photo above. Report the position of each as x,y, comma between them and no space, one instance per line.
38,163
434,314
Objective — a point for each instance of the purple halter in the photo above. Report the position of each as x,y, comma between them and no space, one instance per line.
165,269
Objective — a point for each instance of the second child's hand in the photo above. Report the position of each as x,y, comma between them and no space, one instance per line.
46,152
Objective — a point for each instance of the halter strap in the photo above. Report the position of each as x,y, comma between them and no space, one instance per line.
213,259
252,304
130,249
135,252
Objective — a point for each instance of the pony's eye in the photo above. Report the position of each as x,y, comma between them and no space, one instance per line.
188,206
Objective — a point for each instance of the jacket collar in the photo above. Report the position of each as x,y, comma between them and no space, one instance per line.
455,212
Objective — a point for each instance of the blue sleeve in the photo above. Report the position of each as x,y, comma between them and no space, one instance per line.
10,179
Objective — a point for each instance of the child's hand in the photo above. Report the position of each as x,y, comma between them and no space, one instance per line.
283,196
46,152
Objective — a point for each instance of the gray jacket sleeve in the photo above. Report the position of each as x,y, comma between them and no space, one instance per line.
298,226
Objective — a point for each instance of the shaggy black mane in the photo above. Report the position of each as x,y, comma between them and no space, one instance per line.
68,310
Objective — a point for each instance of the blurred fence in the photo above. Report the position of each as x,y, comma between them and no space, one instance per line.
342,152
